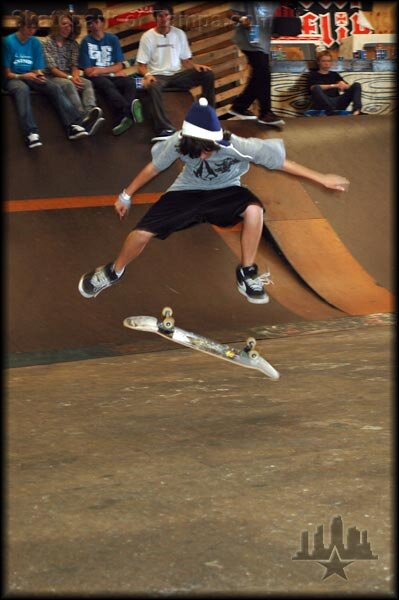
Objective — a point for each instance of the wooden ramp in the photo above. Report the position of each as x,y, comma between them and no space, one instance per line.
61,223
334,266
317,253
287,288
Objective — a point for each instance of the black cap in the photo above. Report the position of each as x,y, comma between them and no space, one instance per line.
92,14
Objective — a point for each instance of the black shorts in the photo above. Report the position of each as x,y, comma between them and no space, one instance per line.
179,210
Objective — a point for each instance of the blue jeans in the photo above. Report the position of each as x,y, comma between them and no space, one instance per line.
20,90
321,101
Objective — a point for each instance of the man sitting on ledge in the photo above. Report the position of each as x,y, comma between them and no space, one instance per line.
162,52
329,91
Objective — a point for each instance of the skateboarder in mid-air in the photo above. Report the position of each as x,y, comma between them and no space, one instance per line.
208,190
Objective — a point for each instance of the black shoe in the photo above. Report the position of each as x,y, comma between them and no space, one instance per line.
76,132
271,119
93,120
250,284
163,135
91,284
243,114
33,140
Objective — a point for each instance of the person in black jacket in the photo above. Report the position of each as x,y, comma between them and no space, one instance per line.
329,91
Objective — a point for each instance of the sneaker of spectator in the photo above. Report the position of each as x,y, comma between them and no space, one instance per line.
137,111
33,140
93,120
163,135
75,132
123,126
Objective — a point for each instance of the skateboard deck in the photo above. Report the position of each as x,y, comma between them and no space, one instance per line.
321,113
247,357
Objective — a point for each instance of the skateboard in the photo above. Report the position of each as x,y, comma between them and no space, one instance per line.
321,113
165,326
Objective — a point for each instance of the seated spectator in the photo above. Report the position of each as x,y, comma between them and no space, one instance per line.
101,59
162,52
61,52
329,91
23,62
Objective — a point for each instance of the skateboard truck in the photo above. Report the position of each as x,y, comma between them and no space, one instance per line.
167,325
249,348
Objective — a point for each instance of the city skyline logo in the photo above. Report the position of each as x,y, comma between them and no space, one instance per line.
336,557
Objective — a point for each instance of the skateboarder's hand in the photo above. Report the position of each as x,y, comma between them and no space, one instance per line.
121,209
122,204
336,182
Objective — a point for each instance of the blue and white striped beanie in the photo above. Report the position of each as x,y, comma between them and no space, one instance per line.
202,122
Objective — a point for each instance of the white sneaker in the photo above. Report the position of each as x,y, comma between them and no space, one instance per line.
33,140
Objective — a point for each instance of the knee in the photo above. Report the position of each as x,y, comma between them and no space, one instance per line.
142,236
53,89
315,89
154,87
87,84
20,89
254,212
356,86
207,76
69,87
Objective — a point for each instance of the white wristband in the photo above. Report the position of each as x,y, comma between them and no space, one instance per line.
125,199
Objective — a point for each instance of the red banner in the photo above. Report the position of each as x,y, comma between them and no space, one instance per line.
333,27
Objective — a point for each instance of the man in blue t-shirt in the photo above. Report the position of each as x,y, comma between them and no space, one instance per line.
23,63
101,59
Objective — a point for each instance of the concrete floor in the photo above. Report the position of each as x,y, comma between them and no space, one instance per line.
174,473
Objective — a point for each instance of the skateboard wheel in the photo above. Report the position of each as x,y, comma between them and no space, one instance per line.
167,311
253,354
251,342
168,323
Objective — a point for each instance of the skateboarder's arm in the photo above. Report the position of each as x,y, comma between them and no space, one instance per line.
123,202
329,180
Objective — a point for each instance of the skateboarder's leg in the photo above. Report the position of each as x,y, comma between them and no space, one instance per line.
94,282
133,245
249,283
251,232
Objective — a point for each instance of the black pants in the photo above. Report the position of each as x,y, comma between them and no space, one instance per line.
183,80
258,86
321,101
119,93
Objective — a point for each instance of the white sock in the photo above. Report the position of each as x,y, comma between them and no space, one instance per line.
119,273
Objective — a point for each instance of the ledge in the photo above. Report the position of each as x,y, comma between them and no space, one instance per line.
347,65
